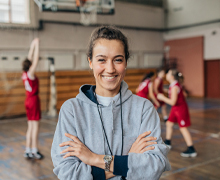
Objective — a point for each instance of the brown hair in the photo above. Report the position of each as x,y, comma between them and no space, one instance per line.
26,65
176,74
109,33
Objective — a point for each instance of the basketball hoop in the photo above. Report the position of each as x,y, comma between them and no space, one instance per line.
88,9
88,12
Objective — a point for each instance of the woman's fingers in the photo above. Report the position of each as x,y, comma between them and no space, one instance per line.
147,139
74,138
145,144
141,136
69,149
69,154
67,143
147,149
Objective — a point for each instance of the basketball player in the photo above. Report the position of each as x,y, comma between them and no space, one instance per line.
158,88
145,89
179,113
32,102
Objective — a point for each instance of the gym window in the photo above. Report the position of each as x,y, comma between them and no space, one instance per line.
14,11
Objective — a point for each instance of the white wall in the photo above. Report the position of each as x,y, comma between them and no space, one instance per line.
187,12
194,12
68,43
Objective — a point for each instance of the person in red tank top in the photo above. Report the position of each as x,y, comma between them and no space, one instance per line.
145,88
158,88
179,112
32,101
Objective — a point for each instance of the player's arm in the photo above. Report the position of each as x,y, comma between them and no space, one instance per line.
171,101
165,90
31,50
156,85
35,57
151,94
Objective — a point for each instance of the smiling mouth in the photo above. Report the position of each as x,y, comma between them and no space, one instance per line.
109,77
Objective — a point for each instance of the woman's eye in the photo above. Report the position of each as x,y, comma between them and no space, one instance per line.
119,60
101,60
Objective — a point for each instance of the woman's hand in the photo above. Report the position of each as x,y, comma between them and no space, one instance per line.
141,143
157,104
160,96
78,149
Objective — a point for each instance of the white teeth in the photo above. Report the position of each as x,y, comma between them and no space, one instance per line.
109,77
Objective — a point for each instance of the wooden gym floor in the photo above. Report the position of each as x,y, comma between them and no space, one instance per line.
205,129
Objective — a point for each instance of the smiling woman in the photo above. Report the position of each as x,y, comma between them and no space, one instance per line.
109,66
106,131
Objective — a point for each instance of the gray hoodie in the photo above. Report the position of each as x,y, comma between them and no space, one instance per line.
79,116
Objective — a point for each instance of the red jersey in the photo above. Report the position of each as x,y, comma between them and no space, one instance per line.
179,112
160,87
180,99
32,102
31,85
160,90
143,88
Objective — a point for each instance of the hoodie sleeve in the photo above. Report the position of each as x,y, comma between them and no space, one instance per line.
70,168
150,164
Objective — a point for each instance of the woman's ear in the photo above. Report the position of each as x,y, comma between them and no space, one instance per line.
90,63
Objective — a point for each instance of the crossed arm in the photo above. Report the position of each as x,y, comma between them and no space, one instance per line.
78,149
79,162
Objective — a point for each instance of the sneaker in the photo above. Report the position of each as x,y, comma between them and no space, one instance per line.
28,155
37,155
168,143
189,153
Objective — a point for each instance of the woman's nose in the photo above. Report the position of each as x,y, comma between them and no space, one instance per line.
110,67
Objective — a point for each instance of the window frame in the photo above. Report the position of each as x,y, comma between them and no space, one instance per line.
32,24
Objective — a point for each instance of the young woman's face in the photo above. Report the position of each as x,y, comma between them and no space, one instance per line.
169,76
109,65
161,74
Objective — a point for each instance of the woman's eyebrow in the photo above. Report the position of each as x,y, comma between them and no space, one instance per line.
119,56
101,55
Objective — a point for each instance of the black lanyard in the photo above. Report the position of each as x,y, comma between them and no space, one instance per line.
104,128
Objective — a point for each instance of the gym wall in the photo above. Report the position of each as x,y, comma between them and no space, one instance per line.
195,24
67,43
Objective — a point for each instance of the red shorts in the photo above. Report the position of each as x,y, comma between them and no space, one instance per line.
180,115
32,105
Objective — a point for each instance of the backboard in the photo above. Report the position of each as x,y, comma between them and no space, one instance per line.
102,6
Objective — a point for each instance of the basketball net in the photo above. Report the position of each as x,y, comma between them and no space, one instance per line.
88,12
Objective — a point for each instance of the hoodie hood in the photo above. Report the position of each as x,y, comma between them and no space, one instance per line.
86,94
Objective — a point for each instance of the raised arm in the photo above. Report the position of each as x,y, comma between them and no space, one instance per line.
31,50
34,53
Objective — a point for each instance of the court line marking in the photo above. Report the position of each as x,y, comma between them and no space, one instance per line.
190,167
49,122
213,135
11,120
21,138
20,120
